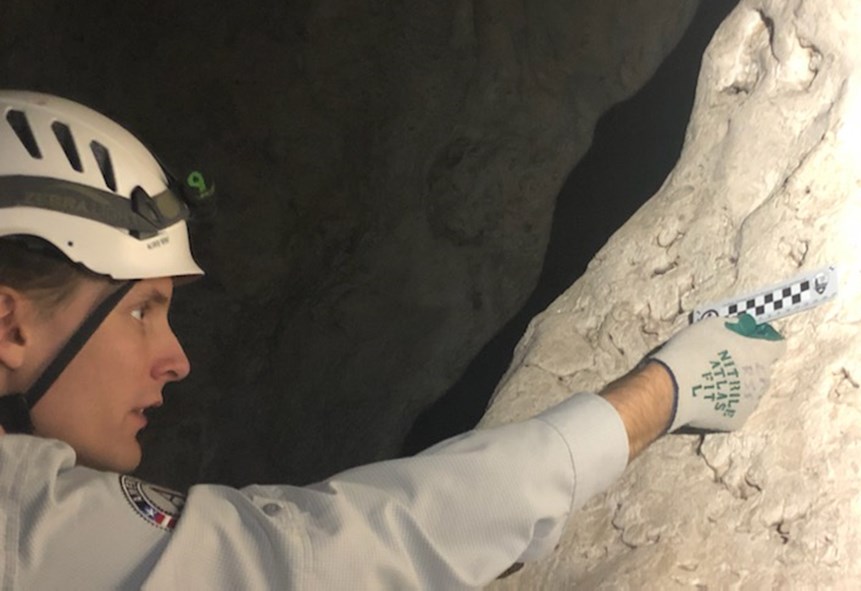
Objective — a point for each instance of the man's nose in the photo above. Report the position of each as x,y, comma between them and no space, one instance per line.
172,364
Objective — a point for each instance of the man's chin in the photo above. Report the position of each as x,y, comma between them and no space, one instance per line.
131,460
121,459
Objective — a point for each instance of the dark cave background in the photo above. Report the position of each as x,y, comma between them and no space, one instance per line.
636,145
387,176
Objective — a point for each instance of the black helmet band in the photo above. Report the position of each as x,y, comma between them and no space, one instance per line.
142,214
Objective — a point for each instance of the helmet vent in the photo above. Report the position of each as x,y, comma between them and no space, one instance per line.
103,158
64,136
18,121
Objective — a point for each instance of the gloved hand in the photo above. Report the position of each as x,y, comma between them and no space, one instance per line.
721,368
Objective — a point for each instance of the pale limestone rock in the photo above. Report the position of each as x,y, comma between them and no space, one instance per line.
768,184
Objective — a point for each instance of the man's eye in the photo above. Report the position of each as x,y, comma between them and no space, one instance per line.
139,312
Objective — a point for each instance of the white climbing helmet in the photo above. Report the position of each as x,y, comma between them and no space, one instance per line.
73,177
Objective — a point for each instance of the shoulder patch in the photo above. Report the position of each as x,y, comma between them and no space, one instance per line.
157,505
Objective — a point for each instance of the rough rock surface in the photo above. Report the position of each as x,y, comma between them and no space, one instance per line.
387,175
767,185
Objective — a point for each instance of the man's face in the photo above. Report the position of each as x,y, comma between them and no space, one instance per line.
97,404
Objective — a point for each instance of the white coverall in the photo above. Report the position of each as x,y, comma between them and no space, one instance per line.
452,517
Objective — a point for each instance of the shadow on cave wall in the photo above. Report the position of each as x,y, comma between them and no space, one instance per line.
636,144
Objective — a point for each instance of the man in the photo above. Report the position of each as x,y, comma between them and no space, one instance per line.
92,239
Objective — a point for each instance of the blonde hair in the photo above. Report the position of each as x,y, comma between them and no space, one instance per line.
40,271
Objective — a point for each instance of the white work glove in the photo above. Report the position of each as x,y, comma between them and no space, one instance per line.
720,368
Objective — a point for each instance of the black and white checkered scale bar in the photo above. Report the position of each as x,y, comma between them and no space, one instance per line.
800,293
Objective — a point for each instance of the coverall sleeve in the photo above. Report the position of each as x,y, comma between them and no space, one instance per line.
452,517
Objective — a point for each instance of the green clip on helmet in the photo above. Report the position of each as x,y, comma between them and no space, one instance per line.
76,179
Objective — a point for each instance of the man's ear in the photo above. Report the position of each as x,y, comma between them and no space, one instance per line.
13,332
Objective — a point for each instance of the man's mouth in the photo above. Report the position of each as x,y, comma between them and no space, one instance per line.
140,417
141,412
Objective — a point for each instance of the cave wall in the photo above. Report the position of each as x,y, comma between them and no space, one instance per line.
387,174
767,186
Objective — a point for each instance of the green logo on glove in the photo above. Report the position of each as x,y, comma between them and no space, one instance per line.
747,327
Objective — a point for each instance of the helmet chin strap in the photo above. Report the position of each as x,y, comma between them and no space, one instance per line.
15,408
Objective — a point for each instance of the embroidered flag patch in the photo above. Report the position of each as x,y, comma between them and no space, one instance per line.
157,505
